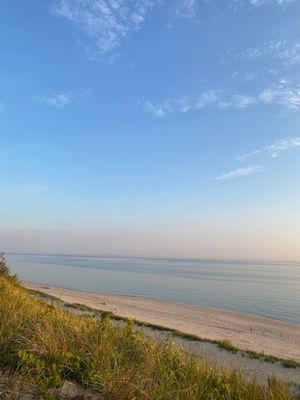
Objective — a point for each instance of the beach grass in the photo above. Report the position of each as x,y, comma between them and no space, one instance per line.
46,345
290,364
224,344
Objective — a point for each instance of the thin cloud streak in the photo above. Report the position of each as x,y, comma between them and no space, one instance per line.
257,3
273,150
208,98
57,100
239,172
284,93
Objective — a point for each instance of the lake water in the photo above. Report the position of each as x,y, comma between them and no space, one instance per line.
266,289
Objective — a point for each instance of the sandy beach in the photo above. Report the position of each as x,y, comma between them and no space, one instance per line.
244,331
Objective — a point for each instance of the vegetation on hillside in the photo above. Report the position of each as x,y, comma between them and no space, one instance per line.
224,344
46,345
4,268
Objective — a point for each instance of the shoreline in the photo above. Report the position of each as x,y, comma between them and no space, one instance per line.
247,332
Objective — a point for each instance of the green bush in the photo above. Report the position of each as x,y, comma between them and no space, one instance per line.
4,268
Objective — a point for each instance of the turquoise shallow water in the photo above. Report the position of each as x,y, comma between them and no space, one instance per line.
266,289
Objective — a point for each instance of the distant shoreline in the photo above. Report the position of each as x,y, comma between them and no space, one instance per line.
259,334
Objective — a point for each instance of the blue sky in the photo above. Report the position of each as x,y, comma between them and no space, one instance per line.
151,127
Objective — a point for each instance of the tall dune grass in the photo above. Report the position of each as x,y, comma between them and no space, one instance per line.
47,345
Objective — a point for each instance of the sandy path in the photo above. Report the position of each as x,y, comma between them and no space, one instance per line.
246,332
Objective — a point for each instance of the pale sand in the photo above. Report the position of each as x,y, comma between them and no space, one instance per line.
244,331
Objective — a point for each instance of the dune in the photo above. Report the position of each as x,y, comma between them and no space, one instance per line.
247,332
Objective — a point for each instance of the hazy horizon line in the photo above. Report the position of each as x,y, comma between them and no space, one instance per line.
157,258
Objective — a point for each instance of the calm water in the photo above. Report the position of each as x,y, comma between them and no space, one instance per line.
267,289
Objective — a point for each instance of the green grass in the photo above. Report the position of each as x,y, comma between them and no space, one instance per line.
290,364
45,345
222,344
227,345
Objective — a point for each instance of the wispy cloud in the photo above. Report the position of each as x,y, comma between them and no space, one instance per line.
207,98
285,93
257,3
186,8
241,77
157,111
245,156
236,173
273,150
2,107
106,23
282,145
267,48
32,188
290,54
280,50
238,101
57,100
181,104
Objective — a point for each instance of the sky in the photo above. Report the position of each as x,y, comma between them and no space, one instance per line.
151,128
